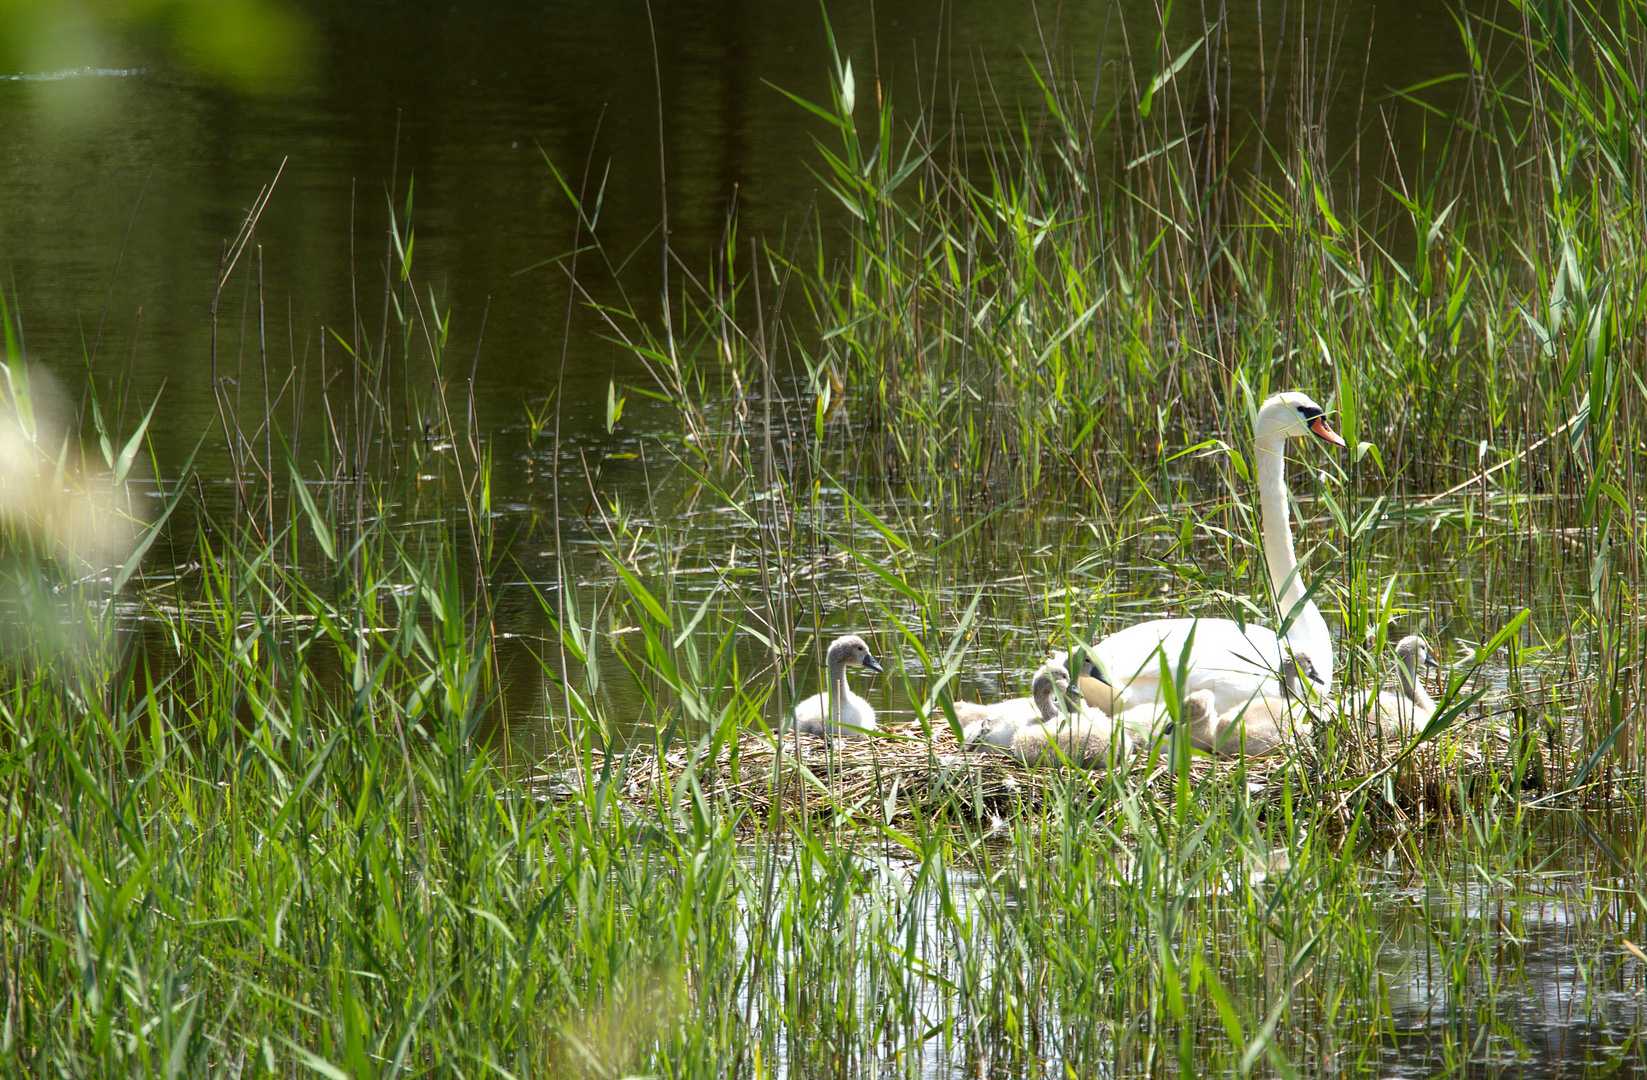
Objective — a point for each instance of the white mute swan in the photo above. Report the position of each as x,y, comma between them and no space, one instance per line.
1403,714
1081,738
995,725
852,715
1235,662
1150,721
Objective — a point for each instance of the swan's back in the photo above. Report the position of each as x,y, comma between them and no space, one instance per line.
1230,660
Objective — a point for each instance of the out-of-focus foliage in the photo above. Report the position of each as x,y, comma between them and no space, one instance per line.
252,45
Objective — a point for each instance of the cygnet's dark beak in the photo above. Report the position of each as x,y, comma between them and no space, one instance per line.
1325,433
1429,661
1306,670
1089,669
1166,729
1072,694
870,663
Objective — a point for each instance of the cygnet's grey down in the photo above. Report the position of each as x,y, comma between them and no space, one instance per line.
999,724
852,715
994,725
1073,734
1403,714
1145,723
1263,726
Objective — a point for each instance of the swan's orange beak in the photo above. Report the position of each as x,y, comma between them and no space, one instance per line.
1319,426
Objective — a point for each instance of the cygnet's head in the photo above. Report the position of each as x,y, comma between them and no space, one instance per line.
1296,415
851,651
1053,678
1081,664
1298,673
1414,654
1200,709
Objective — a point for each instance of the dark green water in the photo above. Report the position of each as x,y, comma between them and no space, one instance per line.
136,140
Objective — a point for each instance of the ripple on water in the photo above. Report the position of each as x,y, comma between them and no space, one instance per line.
75,73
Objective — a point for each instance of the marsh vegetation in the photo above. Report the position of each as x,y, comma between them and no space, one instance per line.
344,760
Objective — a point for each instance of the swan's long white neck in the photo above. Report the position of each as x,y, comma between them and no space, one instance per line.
1308,630
1275,521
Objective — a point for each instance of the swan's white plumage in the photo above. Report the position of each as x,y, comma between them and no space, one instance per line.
1235,663
1232,661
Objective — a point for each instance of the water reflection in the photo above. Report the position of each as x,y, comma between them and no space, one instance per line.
1534,984
251,45
1520,971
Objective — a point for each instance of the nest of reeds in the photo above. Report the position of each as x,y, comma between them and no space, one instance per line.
895,774
902,772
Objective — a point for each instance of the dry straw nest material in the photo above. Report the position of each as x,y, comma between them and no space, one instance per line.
903,772
896,774
899,774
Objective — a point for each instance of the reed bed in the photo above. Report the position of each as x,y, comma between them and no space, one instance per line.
272,790
1011,324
